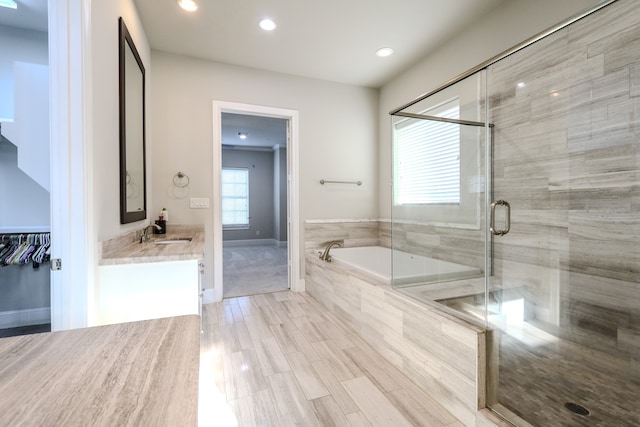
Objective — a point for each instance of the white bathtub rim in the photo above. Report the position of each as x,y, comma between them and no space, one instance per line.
381,255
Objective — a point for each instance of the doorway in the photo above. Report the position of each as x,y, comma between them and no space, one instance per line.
25,197
254,204
256,243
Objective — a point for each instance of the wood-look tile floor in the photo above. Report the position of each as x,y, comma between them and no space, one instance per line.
280,359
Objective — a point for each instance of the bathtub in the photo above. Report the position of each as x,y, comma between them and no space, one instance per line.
400,268
408,332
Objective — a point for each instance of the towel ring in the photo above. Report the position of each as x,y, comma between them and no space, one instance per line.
181,180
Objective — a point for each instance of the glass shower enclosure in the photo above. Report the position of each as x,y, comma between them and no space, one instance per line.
517,192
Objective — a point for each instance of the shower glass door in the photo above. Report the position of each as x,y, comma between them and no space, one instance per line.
564,290
438,213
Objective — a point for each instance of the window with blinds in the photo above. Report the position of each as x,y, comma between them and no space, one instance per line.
235,198
427,157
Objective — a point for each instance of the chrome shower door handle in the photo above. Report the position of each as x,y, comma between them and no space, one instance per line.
492,222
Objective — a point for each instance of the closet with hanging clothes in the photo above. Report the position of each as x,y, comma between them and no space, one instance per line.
25,241
24,283
25,275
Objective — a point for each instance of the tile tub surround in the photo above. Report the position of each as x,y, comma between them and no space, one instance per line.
354,232
140,373
444,355
459,245
127,249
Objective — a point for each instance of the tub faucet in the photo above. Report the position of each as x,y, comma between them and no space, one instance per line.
144,237
325,255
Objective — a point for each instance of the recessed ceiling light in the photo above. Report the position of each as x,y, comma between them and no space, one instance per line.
8,3
521,84
243,135
188,5
384,51
267,24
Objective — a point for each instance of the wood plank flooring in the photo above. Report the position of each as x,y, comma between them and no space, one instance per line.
280,360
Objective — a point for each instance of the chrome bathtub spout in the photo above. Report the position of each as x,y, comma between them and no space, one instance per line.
325,255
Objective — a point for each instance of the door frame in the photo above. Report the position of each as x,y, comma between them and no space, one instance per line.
293,211
70,106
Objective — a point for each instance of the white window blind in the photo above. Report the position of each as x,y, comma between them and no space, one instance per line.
235,197
428,159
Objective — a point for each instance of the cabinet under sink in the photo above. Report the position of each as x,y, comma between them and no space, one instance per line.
131,292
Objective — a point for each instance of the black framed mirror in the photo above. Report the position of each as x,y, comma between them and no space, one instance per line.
133,188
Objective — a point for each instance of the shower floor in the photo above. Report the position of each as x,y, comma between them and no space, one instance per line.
535,382
538,371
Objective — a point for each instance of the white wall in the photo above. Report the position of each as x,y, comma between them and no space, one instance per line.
511,23
338,138
102,148
105,118
18,45
23,203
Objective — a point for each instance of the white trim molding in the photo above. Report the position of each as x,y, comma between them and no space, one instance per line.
71,179
27,317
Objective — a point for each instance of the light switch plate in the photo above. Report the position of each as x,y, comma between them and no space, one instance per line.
199,203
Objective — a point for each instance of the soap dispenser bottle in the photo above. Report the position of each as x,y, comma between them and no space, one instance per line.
161,222
164,213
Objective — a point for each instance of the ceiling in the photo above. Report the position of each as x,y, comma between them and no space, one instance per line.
331,40
30,15
263,132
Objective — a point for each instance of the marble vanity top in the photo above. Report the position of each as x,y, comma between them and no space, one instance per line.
138,373
127,249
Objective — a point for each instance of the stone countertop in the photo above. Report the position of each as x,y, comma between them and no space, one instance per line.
127,249
139,373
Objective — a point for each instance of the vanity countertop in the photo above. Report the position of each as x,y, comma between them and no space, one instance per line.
140,373
128,250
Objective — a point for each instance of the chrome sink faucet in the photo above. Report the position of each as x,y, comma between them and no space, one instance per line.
325,255
144,236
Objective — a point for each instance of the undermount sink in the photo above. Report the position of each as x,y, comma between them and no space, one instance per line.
173,240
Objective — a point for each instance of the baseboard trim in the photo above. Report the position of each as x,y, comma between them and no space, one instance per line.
249,242
32,316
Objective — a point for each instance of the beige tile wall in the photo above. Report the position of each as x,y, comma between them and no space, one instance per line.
354,233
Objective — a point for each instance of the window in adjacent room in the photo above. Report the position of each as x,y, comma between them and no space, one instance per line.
235,198
427,157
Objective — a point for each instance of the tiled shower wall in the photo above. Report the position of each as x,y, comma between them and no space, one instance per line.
459,245
567,158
